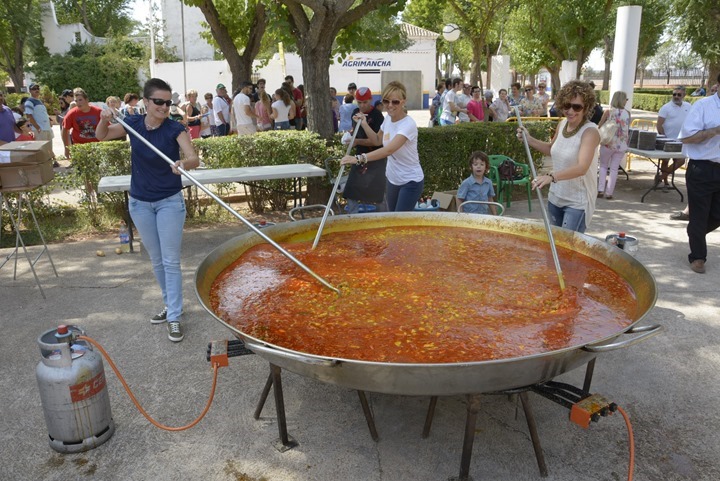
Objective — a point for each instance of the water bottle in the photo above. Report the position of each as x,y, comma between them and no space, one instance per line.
124,237
621,240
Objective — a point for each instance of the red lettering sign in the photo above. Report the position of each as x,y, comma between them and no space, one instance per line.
85,390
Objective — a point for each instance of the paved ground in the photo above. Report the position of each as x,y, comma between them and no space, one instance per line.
666,384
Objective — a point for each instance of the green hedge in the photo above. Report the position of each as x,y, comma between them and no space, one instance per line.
646,101
270,148
443,154
91,162
444,151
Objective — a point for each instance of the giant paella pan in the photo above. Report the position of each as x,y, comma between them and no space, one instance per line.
431,303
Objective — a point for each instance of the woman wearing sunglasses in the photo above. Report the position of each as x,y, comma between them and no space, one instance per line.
398,137
574,152
157,206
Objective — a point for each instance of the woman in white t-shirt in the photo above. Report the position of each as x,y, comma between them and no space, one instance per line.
283,109
398,137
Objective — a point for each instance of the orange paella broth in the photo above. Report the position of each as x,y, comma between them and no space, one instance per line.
423,295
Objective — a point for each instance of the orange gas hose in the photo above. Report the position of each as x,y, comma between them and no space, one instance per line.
631,442
135,401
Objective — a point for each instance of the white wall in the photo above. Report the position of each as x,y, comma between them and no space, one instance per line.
203,76
196,48
59,38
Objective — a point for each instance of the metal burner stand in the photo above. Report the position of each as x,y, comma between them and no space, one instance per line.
17,222
563,394
473,407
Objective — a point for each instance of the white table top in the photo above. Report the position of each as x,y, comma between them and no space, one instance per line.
120,183
657,154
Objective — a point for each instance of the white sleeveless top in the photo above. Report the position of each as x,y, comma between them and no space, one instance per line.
580,192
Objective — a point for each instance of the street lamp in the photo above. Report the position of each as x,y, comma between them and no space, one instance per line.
451,32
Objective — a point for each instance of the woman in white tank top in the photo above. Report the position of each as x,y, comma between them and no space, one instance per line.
574,151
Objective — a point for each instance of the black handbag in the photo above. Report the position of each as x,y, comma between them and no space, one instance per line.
366,183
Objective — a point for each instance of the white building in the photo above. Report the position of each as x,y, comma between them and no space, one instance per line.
58,38
415,67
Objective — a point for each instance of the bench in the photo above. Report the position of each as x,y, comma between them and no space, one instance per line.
121,183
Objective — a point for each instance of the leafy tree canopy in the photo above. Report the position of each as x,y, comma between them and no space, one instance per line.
100,17
101,70
699,24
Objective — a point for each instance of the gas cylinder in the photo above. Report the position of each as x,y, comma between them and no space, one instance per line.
74,396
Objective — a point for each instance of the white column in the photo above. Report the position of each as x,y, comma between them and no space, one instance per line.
627,35
500,76
568,71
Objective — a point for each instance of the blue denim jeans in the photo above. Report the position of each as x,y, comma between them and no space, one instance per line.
160,225
567,217
402,198
283,125
446,122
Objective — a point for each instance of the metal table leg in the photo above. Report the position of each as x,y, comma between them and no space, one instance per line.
368,416
532,427
128,220
285,442
263,397
473,407
19,242
429,417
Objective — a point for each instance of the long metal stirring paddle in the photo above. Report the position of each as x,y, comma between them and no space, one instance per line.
334,190
119,117
561,280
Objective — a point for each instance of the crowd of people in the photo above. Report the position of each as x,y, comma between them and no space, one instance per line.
386,169
456,101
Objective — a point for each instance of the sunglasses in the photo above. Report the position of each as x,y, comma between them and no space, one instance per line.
36,88
528,90
167,103
388,101
575,107
677,95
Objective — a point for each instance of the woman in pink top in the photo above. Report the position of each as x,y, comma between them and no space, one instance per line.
475,109
263,109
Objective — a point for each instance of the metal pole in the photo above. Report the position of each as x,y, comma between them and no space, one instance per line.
152,41
182,36
200,186
335,188
561,280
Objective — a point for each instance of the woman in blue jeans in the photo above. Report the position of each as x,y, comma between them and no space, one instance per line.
157,206
398,137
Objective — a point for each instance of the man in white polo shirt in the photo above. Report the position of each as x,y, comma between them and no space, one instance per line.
242,112
669,122
221,111
700,135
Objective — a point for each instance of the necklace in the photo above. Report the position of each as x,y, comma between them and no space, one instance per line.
150,127
567,134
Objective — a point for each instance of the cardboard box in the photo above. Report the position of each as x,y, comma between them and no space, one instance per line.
22,176
35,151
447,200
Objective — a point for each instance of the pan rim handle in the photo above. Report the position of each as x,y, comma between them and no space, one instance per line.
298,357
644,333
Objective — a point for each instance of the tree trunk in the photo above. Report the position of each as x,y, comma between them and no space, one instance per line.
438,73
713,73
642,76
477,60
15,68
316,75
488,56
240,66
554,79
608,45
